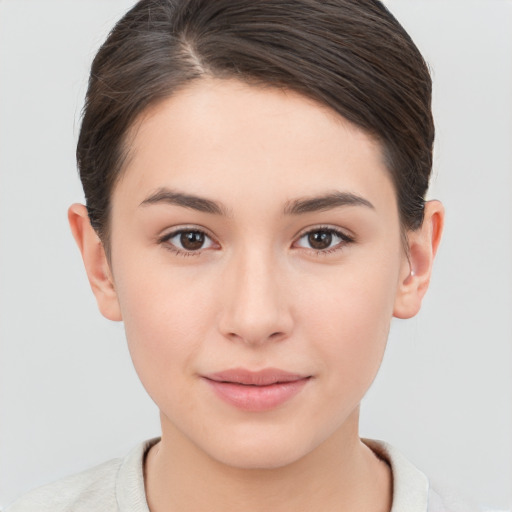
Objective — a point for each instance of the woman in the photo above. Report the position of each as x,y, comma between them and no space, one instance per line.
255,175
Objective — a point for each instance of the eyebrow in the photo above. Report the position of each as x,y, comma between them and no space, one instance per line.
299,206
325,202
173,197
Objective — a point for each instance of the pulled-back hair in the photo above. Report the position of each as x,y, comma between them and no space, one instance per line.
350,55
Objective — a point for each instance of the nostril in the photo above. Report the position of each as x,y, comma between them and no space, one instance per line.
253,339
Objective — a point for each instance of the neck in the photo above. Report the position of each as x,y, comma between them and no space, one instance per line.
342,474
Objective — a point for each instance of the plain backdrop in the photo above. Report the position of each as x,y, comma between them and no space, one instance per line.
69,397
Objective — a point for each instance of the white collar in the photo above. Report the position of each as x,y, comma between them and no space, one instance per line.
410,485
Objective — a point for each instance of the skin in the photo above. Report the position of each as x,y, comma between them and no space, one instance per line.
257,295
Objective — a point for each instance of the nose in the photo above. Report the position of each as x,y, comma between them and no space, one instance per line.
256,305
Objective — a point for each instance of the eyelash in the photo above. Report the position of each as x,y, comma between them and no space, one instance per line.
345,240
165,241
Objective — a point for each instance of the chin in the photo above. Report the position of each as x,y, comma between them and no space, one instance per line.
260,450
258,457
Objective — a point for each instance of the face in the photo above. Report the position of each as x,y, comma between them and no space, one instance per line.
256,257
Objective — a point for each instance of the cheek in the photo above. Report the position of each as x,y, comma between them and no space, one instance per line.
166,315
348,316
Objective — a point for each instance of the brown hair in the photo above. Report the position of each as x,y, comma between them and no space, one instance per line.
351,55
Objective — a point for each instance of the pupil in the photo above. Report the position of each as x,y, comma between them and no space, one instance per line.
320,239
192,240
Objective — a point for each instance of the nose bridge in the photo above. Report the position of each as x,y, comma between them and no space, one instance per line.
254,307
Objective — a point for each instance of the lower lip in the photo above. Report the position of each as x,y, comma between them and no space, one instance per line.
257,398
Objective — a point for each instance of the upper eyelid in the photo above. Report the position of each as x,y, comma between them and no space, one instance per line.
345,240
171,232
345,233
165,239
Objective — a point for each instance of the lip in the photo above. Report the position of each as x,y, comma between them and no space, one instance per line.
256,391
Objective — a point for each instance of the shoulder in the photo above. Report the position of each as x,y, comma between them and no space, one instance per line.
441,499
412,490
106,487
83,491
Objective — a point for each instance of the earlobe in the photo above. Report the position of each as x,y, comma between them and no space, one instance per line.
415,274
95,262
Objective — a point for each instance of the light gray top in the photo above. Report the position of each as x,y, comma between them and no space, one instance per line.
118,486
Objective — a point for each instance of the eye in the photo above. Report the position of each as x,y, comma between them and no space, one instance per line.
188,240
323,240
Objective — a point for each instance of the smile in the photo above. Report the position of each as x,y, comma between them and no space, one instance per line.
256,391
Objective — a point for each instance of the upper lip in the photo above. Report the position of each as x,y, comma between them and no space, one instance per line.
263,377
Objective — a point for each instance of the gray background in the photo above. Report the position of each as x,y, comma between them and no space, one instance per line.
69,397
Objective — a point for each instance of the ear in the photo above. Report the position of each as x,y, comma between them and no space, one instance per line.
95,261
417,268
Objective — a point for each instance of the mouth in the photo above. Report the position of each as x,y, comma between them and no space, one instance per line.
256,391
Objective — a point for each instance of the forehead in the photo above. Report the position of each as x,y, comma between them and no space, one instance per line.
236,141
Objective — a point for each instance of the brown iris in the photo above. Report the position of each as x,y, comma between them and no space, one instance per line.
192,240
320,239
